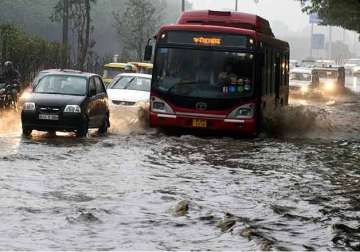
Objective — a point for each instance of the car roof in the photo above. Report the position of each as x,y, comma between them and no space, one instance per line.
149,76
67,72
142,64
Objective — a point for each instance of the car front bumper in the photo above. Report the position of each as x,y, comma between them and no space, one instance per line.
66,122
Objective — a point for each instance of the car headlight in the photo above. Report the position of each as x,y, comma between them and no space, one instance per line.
72,109
243,112
29,106
160,106
329,85
304,89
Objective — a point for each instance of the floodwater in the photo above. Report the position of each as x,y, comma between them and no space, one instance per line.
142,189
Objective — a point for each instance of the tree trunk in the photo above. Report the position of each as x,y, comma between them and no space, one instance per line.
85,44
65,38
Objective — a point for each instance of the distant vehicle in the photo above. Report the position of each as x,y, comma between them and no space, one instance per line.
143,68
356,71
128,89
294,64
325,63
66,101
113,69
303,81
351,65
308,63
6,99
331,79
217,71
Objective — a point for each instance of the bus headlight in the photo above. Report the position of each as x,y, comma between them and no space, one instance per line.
246,111
160,106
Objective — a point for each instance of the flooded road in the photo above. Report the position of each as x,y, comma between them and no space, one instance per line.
298,192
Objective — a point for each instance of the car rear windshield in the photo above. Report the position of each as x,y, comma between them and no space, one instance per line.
61,84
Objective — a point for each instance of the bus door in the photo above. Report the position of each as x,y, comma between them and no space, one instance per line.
277,78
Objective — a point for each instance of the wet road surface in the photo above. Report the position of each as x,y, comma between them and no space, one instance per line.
297,192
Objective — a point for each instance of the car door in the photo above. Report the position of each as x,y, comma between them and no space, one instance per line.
102,98
92,106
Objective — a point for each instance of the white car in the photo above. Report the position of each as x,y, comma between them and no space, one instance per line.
129,88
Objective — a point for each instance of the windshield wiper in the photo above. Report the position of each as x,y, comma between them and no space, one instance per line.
128,84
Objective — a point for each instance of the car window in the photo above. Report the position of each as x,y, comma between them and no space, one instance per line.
61,84
92,86
99,86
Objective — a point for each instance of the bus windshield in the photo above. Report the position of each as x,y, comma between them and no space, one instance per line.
203,73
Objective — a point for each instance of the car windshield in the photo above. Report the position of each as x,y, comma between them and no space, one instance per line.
131,83
300,76
203,73
110,73
328,74
61,84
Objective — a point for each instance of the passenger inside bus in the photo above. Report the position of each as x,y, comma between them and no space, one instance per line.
228,76
211,74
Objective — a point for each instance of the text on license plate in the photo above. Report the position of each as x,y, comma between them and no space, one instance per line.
198,123
48,117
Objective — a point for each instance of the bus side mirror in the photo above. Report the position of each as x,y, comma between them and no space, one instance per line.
148,53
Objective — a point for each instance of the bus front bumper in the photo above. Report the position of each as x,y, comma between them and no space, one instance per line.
242,126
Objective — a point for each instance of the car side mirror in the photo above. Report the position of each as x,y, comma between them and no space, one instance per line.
92,92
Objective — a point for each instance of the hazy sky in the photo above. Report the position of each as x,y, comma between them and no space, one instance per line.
286,11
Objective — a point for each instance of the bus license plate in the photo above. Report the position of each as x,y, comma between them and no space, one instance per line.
49,117
197,123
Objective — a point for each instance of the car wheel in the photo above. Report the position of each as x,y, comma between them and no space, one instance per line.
83,130
104,127
26,132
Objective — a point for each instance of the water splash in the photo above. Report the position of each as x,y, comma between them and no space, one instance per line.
296,121
10,122
126,120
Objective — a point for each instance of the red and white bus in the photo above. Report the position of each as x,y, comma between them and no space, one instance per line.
218,71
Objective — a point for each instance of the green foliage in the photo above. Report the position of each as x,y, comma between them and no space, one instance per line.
344,13
32,16
139,23
29,53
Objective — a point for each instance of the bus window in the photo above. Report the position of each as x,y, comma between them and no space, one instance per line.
205,74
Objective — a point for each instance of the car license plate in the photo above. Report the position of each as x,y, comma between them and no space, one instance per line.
49,117
198,123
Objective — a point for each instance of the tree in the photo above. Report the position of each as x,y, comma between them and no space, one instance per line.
344,13
65,35
139,23
340,51
29,53
79,17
